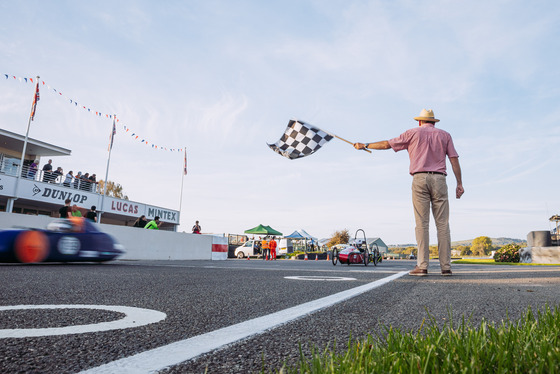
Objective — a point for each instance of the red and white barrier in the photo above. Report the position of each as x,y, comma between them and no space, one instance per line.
219,248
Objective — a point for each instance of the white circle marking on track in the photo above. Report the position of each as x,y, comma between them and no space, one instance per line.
134,317
319,278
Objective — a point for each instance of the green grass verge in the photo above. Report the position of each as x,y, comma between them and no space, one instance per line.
492,262
530,345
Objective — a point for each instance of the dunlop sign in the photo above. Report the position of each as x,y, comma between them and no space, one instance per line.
55,194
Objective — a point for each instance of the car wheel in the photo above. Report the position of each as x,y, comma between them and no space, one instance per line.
240,255
334,256
31,246
375,257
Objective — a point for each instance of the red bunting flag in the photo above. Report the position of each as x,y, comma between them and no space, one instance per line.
112,135
185,164
35,99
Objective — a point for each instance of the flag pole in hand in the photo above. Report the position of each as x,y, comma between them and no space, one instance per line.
349,142
344,140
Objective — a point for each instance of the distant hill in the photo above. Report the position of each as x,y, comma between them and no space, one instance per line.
495,242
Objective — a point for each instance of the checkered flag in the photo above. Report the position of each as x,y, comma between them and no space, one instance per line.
299,140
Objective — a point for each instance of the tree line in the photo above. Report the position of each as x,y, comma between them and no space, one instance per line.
480,246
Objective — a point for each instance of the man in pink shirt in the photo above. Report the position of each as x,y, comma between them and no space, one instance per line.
427,148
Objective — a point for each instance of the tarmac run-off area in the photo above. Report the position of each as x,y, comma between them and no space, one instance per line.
235,316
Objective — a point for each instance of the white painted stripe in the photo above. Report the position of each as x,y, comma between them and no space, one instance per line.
319,278
134,317
175,353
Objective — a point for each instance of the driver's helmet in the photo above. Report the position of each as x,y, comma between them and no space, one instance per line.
360,244
62,225
72,224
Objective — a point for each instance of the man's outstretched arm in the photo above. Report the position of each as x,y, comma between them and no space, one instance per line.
383,144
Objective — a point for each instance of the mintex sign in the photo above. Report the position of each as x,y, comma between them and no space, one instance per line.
165,214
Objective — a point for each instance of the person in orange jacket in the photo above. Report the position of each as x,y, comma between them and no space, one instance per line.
272,248
264,247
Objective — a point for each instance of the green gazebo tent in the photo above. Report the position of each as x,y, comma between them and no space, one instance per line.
263,230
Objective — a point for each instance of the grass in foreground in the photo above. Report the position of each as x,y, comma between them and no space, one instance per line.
530,345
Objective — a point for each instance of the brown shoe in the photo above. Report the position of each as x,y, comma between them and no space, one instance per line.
418,272
446,273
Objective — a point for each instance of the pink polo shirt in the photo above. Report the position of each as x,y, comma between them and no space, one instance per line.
427,147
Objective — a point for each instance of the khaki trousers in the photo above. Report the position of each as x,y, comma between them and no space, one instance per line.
431,190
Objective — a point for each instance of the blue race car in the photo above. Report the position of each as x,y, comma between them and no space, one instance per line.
65,240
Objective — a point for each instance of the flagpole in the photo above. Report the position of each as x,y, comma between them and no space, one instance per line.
181,202
107,169
347,141
344,140
182,182
10,204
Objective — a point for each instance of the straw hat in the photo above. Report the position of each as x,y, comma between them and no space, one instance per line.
426,115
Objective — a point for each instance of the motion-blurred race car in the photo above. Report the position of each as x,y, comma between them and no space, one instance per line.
65,240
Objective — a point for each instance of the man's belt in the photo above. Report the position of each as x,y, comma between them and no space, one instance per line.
430,172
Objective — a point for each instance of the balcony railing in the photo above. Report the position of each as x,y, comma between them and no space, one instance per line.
9,167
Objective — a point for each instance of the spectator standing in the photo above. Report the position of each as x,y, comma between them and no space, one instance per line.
427,149
85,185
196,229
258,248
33,169
92,214
68,179
141,221
77,180
66,210
153,224
92,182
57,173
47,170
272,247
264,246
76,211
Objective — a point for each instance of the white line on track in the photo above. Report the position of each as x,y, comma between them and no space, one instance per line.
320,278
175,353
134,317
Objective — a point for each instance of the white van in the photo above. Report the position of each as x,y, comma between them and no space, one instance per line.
285,246
246,250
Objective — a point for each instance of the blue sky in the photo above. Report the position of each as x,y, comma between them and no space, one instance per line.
222,78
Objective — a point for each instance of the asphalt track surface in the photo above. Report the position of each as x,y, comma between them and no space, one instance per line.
207,302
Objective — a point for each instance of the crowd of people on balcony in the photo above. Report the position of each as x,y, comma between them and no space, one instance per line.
83,182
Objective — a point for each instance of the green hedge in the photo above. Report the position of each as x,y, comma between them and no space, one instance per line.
508,253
